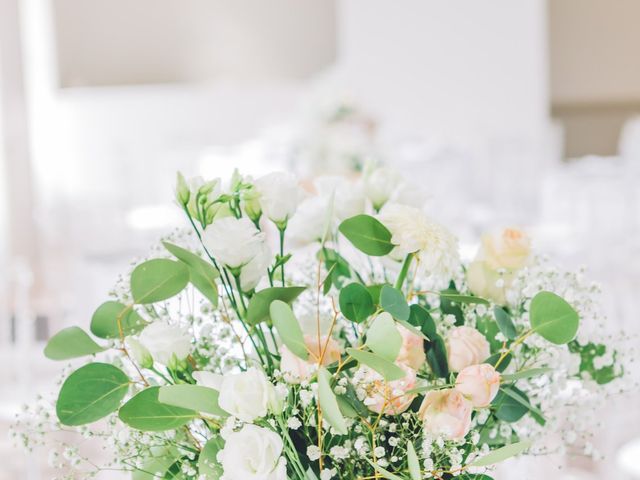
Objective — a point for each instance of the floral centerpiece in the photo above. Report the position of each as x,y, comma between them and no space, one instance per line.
361,348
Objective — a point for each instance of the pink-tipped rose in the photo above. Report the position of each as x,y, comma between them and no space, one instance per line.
447,413
479,383
391,398
412,350
295,370
466,346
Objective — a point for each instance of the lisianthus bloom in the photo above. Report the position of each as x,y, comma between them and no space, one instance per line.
466,346
234,242
479,384
163,341
447,413
253,453
296,369
279,195
382,396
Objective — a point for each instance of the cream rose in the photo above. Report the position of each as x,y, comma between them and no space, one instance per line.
296,370
487,283
412,349
391,398
479,384
446,412
246,395
509,249
253,453
279,196
163,341
234,242
466,346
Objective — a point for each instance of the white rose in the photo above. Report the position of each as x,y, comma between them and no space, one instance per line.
163,341
253,453
381,184
253,271
311,222
233,242
246,395
348,197
280,195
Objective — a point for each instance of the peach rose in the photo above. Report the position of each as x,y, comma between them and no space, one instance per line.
446,412
391,398
466,346
296,370
412,349
479,384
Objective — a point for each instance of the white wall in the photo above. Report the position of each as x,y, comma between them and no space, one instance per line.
460,68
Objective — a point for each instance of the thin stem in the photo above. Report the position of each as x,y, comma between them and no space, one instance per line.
403,271
281,230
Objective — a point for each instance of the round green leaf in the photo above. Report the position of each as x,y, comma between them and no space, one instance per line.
288,328
355,302
389,370
383,337
203,274
329,403
508,407
91,393
145,412
157,280
505,323
393,301
194,397
420,318
368,235
258,308
69,343
104,323
553,318
208,464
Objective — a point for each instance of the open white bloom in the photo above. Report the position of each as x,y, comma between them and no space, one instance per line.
312,221
381,184
279,195
348,197
234,242
253,453
163,341
246,395
413,232
253,271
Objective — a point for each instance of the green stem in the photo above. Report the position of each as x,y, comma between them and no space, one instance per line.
281,230
157,372
403,271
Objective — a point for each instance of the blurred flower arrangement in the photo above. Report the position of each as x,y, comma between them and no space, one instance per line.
362,348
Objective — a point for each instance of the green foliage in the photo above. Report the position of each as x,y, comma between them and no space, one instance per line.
329,403
355,302
104,323
588,353
145,412
437,356
511,403
457,298
158,279
91,393
383,337
493,360
393,301
338,268
258,308
382,472
530,373
71,342
553,318
368,235
420,318
202,274
194,397
288,328
501,454
505,323
208,460
413,462
389,370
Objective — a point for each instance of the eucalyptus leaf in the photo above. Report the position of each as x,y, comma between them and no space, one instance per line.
383,337
510,408
355,302
368,235
436,351
553,318
493,361
393,301
155,466
520,397
413,462
258,308
71,342
145,412
91,393
202,274
194,397
288,328
505,323
465,299
208,464
530,373
389,370
329,403
501,454
158,279
110,317
384,473
420,318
